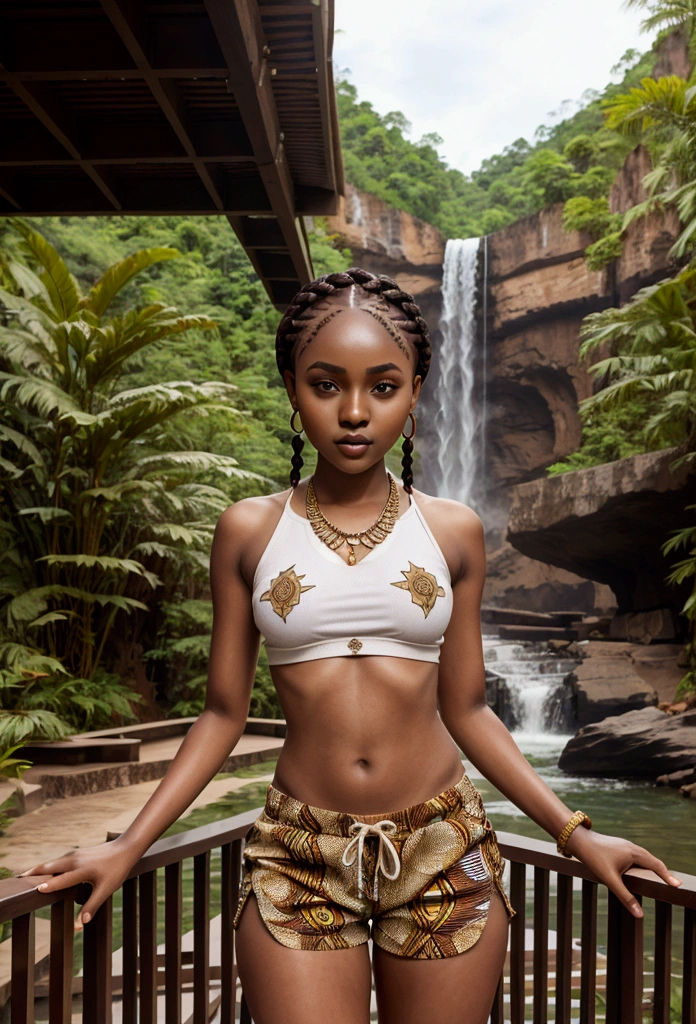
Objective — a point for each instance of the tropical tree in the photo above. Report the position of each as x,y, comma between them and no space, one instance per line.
663,114
92,492
652,341
668,14
682,571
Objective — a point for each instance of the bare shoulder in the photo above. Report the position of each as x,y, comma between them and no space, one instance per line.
449,514
458,531
240,525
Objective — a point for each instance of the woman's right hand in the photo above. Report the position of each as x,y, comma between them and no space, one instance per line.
104,867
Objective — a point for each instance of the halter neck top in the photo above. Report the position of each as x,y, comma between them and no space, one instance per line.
308,603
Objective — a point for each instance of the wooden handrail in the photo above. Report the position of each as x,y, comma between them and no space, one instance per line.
147,974
19,895
640,881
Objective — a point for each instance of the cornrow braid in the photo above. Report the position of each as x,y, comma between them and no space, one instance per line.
298,316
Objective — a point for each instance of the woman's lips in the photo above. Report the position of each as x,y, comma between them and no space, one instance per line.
353,450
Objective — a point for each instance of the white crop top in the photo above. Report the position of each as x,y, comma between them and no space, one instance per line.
308,603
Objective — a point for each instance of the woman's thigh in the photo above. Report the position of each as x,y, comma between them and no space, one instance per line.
456,990
298,986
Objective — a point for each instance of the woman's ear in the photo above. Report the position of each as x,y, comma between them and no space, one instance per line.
417,381
289,378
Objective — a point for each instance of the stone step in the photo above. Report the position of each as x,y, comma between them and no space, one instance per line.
537,633
521,617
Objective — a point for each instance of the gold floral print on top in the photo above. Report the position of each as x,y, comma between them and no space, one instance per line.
423,587
285,590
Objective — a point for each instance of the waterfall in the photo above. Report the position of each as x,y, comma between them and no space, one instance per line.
532,677
457,421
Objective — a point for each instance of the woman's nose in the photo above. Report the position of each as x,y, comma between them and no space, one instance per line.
354,411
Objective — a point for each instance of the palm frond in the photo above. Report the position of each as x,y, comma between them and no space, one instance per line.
61,286
102,294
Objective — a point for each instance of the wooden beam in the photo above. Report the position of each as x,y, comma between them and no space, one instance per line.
166,94
115,74
38,110
239,30
8,198
321,44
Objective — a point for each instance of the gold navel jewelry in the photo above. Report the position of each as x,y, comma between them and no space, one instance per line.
334,537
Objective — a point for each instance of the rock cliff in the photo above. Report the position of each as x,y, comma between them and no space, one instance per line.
537,291
608,523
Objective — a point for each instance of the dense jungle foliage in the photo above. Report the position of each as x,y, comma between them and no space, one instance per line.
131,423
73,600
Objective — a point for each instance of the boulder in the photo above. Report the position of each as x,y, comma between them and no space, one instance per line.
685,777
500,699
605,684
638,744
644,627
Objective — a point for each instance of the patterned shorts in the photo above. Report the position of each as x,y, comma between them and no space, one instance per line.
423,877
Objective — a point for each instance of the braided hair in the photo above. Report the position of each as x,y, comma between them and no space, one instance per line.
385,300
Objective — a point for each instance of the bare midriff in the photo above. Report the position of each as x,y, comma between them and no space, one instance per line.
364,734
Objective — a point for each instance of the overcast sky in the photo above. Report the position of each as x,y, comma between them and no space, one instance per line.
481,73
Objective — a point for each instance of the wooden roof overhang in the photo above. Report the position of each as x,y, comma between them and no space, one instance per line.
221,107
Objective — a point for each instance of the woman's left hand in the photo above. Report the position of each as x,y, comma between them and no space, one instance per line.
608,857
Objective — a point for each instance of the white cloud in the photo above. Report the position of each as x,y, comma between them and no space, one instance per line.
480,74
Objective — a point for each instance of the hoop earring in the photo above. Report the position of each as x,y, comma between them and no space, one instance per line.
297,446
407,459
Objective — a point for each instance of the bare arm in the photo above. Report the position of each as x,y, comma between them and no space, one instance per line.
232,664
489,746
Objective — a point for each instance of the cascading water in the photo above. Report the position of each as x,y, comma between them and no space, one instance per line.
457,421
532,678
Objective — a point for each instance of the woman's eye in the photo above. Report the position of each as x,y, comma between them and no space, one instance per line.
384,387
324,385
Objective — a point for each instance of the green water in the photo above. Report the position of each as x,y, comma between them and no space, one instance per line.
658,818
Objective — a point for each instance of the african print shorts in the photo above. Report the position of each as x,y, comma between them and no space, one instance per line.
422,878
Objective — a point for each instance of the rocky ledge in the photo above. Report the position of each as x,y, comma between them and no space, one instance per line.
639,744
608,523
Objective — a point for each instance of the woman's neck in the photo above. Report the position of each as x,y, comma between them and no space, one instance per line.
332,487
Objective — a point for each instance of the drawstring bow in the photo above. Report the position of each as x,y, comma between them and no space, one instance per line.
387,851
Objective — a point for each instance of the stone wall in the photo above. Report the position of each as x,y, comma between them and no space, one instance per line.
388,241
539,292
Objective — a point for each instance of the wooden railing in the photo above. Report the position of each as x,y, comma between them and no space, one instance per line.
553,981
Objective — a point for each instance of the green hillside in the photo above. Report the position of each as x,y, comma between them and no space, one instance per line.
579,156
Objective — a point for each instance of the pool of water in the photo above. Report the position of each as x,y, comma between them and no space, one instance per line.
656,817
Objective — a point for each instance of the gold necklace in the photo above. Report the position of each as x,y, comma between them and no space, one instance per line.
334,537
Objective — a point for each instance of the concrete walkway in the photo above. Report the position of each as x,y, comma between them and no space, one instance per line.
61,825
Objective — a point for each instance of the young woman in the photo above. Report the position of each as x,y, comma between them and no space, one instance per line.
368,596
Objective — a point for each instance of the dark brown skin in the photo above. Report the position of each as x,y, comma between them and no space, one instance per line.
365,735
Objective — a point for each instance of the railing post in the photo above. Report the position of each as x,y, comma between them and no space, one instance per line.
172,943
23,953
632,966
129,917
541,945
60,965
96,983
689,971
518,898
613,990
564,946
201,937
663,963
588,955
624,964
230,867
148,947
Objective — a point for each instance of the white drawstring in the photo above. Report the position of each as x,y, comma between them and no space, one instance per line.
357,844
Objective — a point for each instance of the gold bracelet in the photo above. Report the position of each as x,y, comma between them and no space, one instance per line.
579,818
